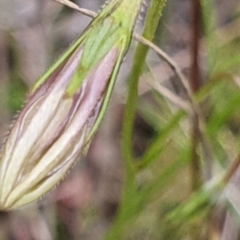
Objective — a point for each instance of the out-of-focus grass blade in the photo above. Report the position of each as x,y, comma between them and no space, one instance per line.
155,148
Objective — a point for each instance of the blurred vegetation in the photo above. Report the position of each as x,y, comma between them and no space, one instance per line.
177,173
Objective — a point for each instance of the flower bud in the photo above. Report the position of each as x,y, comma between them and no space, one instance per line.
62,111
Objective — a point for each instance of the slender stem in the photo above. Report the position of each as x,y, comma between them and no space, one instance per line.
195,83
234,166
150,27
166,58
129,191
72,5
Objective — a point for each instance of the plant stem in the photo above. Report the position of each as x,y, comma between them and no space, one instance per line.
195,84
129,190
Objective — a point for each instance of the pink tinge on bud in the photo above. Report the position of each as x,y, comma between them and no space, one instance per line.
50,132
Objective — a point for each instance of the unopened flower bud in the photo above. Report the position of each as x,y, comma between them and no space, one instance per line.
62,111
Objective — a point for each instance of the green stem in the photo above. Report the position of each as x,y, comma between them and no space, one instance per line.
150,27
127,208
